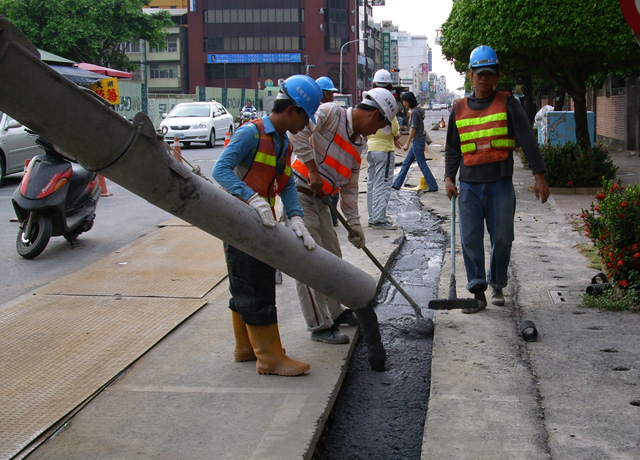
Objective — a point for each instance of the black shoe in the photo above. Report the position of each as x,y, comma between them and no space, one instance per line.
347,317
497,297
331,335
478,294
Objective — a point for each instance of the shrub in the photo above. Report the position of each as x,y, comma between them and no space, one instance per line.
570,165
614,300
613,224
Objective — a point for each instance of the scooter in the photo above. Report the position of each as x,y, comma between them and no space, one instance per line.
55,197
246,116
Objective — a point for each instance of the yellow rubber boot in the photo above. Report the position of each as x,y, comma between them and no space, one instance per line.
243,350
423,184
268,350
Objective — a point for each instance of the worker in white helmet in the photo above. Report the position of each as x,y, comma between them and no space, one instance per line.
381,157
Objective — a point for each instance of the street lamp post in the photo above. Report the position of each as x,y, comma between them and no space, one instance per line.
341,50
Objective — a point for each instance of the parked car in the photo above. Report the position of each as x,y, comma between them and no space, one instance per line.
196,122
16,146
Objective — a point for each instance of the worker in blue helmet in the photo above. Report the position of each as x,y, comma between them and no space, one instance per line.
327,87
482,134
255,167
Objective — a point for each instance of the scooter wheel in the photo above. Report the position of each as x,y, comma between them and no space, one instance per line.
30,246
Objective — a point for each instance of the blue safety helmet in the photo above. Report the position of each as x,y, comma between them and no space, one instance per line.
483,56
304,92
326,84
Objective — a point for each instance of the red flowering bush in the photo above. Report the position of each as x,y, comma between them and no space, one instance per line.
613,224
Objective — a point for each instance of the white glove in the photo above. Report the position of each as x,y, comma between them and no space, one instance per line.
297,225
263,208
358,239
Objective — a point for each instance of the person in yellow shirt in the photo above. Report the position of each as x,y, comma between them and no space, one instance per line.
381,158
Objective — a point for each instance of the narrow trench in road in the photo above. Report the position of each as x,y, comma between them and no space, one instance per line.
382,414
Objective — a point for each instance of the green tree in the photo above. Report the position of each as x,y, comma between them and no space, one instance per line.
94,31
565,42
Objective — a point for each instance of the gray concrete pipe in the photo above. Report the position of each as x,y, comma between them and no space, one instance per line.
135,157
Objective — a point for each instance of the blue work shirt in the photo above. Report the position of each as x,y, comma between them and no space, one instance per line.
241,149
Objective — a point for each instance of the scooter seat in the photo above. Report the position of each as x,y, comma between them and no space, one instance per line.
80,174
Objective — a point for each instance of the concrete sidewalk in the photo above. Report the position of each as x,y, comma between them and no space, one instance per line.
571,394
187,398
493,396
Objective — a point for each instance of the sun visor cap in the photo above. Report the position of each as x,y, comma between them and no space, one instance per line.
493,69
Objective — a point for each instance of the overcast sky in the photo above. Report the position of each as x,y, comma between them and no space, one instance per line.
422,17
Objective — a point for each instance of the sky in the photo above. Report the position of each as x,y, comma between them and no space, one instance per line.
422,17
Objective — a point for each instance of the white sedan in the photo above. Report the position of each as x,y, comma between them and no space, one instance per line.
196,122
16,146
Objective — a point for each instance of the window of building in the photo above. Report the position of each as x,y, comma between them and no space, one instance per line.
251,30
163,71
172,44
132,47
262,15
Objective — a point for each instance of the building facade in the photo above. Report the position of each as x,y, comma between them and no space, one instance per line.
255,43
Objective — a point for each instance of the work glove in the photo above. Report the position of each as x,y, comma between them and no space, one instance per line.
297,225
358,238
263,208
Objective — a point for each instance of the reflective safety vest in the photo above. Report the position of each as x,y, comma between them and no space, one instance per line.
484,134
336,157
267,173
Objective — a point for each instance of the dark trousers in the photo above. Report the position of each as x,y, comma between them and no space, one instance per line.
253,287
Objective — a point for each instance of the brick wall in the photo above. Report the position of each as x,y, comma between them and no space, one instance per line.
611,120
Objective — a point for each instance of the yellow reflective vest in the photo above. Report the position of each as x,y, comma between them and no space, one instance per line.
268,173
484,134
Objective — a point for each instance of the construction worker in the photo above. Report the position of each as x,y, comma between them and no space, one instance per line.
381,158
327,161
328,90
327,87
255,166
482,134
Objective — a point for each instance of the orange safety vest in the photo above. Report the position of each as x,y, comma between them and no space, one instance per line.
335,168
267,173
484,134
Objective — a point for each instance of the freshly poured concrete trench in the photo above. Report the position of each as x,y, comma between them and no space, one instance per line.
381,415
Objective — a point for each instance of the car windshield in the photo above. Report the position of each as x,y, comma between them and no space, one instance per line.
199,110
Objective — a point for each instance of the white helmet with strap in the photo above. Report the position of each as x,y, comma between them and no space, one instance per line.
382,78
383,100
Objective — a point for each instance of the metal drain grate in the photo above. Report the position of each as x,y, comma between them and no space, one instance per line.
566,296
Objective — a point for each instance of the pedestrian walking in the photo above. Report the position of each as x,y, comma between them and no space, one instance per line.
381,159
327,159
256,166
482,133
416,141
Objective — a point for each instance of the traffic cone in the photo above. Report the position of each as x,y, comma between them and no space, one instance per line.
442,123
176,151
423,184
227,139
103,186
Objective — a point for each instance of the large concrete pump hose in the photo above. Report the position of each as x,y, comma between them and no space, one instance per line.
134,156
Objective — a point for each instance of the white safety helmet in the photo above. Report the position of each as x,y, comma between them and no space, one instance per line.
382,78
383,100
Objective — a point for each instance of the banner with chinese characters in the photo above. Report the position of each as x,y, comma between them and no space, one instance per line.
107,88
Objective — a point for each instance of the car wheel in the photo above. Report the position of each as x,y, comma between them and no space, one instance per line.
2,167
212,139
30,246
